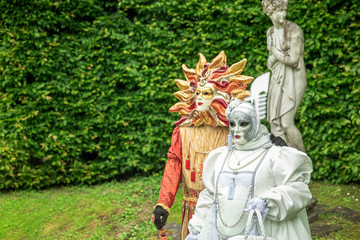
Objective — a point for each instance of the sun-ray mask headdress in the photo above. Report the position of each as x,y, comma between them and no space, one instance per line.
207,91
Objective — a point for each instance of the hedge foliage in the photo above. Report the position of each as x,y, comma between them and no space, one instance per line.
86,85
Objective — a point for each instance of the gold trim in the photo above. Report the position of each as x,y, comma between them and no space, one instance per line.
190,199
163,206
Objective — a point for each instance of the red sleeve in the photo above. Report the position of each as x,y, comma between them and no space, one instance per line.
172,174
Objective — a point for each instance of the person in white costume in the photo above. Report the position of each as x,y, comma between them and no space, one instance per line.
252,174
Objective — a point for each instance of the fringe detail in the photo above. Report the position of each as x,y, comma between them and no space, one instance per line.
184,226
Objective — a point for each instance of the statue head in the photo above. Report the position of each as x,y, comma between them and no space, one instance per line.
207,91
269,6
244,123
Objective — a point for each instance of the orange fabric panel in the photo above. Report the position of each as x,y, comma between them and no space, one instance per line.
172,174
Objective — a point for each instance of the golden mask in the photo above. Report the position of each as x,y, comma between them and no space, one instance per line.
206,93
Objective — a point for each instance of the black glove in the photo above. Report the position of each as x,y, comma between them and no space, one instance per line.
278,141
161,216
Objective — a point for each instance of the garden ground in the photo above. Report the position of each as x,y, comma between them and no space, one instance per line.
122,210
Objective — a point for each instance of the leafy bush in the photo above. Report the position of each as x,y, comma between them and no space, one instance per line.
86,85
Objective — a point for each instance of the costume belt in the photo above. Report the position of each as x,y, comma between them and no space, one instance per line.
190,199
191,195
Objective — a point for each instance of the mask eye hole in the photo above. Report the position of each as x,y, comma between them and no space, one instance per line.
244,124
232,124
197,92
206,93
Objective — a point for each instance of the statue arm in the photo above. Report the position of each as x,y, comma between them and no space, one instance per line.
271,59
291,57
172,174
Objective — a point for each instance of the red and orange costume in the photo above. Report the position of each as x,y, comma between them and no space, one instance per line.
202,128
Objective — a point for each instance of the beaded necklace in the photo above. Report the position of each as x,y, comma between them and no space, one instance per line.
242,213
239,161
227,159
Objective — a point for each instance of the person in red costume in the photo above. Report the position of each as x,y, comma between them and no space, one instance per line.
203,127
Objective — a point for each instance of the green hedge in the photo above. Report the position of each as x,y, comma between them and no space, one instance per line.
86,85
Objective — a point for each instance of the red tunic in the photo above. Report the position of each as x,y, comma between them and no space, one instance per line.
192,144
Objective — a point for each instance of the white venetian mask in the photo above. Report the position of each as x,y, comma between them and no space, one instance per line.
240,128
242,118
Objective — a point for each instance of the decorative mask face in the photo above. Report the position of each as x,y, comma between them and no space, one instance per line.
207,91
204,97
243,121
241,126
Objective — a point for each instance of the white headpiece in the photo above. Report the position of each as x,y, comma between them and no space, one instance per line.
258,95
253,107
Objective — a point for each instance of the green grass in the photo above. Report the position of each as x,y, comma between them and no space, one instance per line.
116,210
338,196
122,210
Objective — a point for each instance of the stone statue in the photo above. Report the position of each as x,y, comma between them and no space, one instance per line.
285,42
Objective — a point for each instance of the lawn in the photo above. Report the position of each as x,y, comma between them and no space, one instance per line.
122,210
115,210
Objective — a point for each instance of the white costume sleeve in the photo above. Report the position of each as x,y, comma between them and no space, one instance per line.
206,197
291,171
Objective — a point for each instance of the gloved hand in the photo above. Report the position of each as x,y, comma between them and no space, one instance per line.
161,216
278,141
260,204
